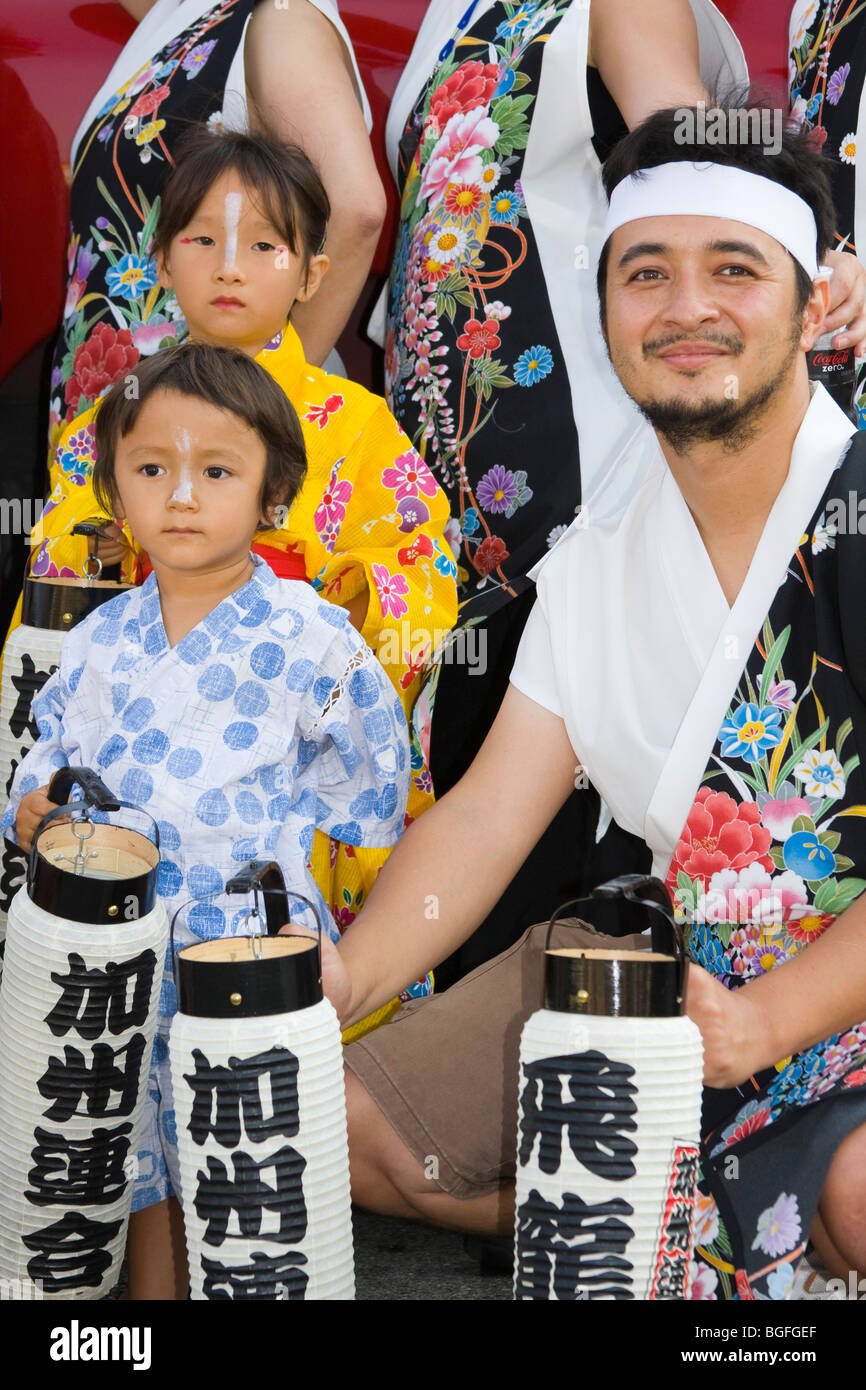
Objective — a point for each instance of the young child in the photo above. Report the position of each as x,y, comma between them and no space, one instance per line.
241,710
239,240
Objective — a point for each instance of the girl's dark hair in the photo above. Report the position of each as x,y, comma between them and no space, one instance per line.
228,380
289,189
796,164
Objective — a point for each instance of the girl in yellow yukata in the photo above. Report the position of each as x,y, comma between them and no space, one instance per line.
239,239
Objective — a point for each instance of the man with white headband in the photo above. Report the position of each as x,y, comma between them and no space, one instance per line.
699,657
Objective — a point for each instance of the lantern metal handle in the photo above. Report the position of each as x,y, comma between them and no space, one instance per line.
646,891
265,877
97,797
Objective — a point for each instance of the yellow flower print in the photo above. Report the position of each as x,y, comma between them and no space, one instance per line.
149,132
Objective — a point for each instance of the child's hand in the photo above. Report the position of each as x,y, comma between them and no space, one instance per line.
335,977
110,546
31,808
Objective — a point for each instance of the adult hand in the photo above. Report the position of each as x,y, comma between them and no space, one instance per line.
335,977
847,301
31,808
730,1030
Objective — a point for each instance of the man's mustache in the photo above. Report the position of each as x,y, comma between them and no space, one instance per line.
733,343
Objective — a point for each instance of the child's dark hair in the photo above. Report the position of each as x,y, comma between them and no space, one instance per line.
229,380
285,181
796,165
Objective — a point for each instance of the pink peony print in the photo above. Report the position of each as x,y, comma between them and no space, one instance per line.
703,1281
456,154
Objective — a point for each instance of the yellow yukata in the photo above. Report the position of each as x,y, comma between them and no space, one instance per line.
370,513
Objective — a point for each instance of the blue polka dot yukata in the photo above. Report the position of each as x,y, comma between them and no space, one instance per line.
268,720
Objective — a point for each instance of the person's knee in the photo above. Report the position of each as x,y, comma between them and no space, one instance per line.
843,1199
385,1176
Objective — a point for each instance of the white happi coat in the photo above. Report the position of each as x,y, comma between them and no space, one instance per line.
269,719
632,641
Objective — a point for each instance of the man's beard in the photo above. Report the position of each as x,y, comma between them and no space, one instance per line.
732,421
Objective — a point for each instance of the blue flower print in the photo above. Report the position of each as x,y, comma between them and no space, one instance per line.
750,732
131,277
470,523
805,854
505,208
533,365
443,564
510,28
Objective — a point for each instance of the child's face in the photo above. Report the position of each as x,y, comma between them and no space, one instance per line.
188,478
234,277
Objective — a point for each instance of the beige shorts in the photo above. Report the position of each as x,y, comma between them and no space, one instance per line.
444,1072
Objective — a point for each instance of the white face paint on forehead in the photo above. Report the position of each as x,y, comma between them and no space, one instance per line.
183,491
233,204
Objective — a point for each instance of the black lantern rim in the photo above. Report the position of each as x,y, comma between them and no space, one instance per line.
273,978
620,984
70,892
58,605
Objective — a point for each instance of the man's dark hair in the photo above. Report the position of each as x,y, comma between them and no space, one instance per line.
228,380
286,183
797,165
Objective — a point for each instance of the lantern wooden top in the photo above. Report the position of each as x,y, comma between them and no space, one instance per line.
248,976
614,984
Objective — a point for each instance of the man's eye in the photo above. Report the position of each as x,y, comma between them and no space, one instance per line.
216,472
648,273
734,272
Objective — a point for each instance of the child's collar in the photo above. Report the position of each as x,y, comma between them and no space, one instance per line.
284,358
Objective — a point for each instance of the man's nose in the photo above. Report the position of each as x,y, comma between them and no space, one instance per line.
690,302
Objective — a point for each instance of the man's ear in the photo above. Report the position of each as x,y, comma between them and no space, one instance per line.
815,313
317,269
163,272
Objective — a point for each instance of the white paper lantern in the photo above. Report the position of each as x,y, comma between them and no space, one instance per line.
84,960
257,1080
609,1123
50,608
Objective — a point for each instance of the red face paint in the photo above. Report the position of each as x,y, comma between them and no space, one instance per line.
186,241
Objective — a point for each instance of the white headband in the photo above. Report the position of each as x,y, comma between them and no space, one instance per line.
682,189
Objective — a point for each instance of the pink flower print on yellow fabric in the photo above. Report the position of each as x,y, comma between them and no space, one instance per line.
409,476
391,589
331,511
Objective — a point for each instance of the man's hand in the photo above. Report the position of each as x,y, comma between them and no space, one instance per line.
847,296
335,977
31,809
731,1029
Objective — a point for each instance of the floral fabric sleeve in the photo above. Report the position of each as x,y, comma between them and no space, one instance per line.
381,522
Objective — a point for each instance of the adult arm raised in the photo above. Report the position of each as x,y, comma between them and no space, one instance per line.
457,860
301,88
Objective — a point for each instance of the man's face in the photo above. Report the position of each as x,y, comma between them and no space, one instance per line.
701,324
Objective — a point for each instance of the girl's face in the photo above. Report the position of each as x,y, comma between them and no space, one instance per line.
234,277
188,478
